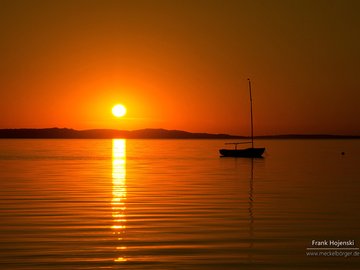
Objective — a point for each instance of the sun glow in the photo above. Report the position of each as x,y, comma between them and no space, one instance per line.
119,110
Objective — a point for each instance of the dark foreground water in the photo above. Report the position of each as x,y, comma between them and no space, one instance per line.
174,204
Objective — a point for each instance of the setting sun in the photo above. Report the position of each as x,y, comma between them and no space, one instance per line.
119,110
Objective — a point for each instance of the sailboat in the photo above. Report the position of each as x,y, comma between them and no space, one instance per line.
251,152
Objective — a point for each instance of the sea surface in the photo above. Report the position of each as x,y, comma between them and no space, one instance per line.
175,204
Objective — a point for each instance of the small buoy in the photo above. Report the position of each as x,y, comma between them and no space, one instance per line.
342,153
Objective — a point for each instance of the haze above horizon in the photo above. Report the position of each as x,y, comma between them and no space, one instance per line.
181,65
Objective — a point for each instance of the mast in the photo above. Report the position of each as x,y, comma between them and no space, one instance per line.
251,114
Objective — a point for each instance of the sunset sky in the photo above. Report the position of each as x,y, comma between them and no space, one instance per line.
181,65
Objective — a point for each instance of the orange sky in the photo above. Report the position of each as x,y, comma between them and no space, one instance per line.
181,65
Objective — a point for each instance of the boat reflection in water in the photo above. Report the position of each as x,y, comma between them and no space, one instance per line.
119,193
251,212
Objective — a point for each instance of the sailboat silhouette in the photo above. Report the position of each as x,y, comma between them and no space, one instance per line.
251,152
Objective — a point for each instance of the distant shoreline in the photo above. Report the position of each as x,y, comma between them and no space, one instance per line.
66,133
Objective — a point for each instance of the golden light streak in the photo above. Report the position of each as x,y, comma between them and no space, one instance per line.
119,191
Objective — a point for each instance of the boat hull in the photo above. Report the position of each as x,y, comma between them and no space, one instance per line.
246,153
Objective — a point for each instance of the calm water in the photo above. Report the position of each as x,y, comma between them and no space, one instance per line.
174,204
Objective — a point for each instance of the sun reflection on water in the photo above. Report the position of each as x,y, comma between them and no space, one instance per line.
119,192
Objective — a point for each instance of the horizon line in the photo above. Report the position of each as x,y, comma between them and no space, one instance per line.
277,135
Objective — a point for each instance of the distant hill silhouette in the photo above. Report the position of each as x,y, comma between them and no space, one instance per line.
308,136
66,133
